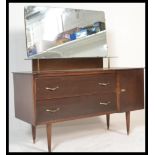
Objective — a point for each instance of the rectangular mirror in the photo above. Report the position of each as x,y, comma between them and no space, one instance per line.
64,33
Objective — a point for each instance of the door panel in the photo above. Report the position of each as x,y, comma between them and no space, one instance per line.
131,89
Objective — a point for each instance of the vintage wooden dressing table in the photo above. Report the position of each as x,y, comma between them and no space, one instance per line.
66,89
68,80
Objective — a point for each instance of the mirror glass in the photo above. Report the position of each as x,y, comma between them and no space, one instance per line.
64,33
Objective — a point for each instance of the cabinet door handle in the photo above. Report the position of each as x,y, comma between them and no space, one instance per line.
52,110
52,89
105,103
104,84
123,90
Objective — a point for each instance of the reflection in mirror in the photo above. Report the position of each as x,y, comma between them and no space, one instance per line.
64,33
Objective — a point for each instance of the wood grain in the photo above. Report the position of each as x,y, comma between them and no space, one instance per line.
75,107
33,133
49,134
23,97
131,90
72,63
108,120
128,122
69,86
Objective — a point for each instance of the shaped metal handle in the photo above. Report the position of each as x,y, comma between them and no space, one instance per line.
105,103
52,110
52,89
104,84
123,90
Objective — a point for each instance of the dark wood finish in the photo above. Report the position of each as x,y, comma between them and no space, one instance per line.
108,120
60,64
73,107
128,121
49,134
24,97
74,86
118,91
131,90
78,95
74,118
72,72
33,133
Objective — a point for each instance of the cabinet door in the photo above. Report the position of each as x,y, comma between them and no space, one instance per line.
131,89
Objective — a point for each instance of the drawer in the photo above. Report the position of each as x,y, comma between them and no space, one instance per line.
56,87
68,108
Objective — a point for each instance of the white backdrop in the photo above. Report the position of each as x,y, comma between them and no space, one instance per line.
125,25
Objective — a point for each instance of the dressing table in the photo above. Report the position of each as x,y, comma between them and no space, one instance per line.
74,88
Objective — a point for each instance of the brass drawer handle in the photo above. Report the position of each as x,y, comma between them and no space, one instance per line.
105,103
104,84
52,89
123,90
54,110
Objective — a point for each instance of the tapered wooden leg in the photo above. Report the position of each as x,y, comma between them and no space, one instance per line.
128,122
33,133
108,120
48,129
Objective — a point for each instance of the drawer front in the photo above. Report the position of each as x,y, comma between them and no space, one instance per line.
61,109
55,87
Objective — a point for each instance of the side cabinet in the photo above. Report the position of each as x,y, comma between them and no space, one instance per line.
131,89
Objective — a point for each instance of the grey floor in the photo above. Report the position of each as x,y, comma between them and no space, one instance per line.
83,135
